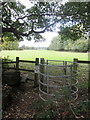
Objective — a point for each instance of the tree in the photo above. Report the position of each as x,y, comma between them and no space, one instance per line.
56,43
9,45
76,23
44,16
59,44
24,22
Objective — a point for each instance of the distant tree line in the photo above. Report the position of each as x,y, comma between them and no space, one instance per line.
26,48
80,45
32,48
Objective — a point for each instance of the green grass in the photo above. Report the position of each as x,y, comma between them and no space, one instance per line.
51,55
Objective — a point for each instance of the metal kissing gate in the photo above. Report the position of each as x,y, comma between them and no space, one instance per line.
58,79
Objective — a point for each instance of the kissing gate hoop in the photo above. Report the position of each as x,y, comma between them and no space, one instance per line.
58,79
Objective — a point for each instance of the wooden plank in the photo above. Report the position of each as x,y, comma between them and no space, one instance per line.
8,62
18,69
81,61
27,61
26,70
9,68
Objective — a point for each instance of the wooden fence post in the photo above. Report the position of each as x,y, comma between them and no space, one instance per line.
75,66
42,70
75,61
89,91
65,71
36,73
17,63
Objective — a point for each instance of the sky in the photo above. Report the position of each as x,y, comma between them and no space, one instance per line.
48,35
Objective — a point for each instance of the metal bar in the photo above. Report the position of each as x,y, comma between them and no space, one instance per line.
42,97
19,69
70,81
56,65
48,77
42,83
57,76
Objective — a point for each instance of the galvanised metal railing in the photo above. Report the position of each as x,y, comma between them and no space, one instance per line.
58,79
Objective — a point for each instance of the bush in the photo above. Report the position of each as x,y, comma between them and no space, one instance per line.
5,59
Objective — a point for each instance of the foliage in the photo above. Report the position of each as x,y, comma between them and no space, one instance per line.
9,45
6,59
81,45
48,112
23,22
76,23
17,20
74,32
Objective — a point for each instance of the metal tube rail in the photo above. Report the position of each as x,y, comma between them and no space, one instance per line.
58,82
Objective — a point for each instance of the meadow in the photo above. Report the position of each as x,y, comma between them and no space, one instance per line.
47,54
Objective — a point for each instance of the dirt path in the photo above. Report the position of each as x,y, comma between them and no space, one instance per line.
27,104
22,105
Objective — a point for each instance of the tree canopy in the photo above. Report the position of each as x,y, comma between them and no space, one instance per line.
72,19
80,45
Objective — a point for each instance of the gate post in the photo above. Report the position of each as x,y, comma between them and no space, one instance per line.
17,63
75,66
42,61
65,70
36,73
89,91
75,61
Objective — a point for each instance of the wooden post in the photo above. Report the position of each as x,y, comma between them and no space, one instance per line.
17,63
65,71
36,73
89,91
42,61
75,66
65,68
75,61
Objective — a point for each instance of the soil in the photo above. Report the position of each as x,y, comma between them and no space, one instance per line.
21,105
26,103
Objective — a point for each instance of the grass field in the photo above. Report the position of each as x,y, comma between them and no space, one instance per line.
50,55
